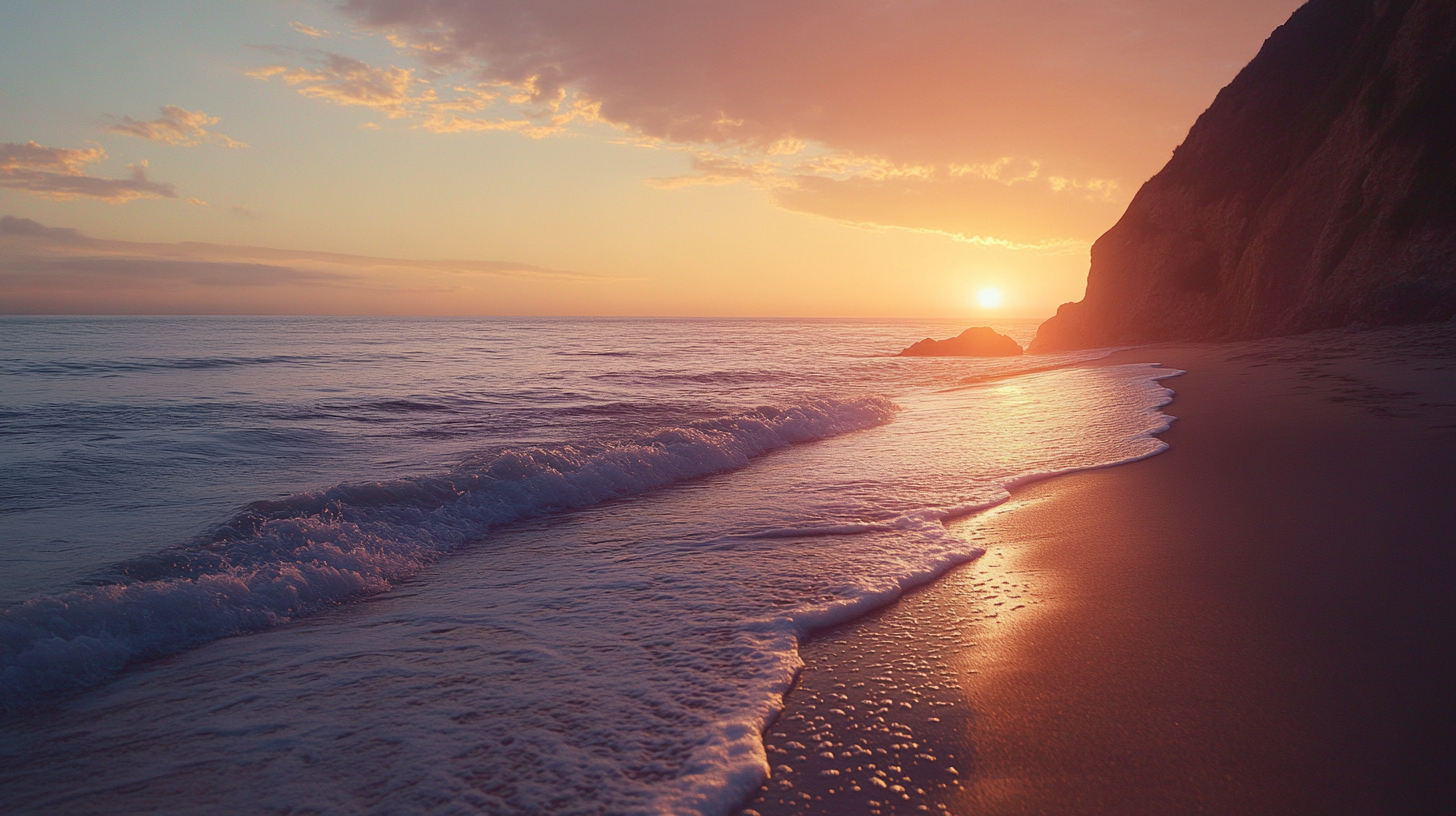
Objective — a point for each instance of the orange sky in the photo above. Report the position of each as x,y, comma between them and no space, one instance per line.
746,158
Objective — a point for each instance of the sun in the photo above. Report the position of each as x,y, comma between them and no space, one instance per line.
989,298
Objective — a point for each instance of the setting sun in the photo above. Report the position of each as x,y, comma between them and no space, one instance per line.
989,298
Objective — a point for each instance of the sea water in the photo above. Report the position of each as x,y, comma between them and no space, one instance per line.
340,565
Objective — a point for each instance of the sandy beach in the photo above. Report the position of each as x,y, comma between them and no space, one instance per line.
1261,620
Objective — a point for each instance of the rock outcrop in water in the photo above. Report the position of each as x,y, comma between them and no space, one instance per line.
980,341
1319,190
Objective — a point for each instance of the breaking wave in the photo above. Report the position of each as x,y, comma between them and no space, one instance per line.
277,560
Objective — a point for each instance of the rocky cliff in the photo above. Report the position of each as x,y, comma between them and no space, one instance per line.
980,341
1319,190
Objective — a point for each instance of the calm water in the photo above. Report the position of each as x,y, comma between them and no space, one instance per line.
466,566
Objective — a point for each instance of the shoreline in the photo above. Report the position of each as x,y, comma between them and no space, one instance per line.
1261,619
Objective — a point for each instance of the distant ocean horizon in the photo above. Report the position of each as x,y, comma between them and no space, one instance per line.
459,564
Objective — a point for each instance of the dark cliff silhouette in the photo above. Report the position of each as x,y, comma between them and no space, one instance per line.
1318,190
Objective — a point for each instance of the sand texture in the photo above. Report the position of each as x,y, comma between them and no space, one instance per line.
1261,620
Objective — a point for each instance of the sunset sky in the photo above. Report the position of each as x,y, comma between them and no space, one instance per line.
834,158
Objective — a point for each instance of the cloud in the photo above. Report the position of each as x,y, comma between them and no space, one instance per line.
934,81
1007,170
1091,189
346,81
52,159
1076,100
13,227
30,251
309,31
177,126
966,209
450,108
709,168
507,107
245,212
89,271
50,269
60,173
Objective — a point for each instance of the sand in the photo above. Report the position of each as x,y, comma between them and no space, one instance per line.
1261,620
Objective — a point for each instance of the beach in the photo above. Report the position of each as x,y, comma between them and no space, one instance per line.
1261,619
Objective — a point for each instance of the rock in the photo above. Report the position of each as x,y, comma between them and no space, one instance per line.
1317,191
976,342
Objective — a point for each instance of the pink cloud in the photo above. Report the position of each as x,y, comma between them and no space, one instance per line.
402,92
60,173
1024,123
346,81
57,270
1100,87
176,126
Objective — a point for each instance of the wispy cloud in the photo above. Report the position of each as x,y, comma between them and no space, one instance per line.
67,161
60,173
967,209
709,168
177,126
32,253
780,165
1091,189
25,228
404,93
309,31
976,204
346,81
47,240
62,270
1007,170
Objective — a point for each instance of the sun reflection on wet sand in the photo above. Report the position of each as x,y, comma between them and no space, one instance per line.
878,722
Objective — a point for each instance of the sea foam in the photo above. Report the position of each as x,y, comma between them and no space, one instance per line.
277,560
622,657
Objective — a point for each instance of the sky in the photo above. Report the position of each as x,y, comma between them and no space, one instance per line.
812,158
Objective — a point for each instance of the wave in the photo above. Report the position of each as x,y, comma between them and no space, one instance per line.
401,406
126,366
277,560
137,364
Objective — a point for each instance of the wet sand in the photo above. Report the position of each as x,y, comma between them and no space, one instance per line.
1261,620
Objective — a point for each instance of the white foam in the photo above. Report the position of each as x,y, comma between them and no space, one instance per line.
279,560
622,660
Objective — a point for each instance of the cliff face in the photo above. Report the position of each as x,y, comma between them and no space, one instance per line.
1317,191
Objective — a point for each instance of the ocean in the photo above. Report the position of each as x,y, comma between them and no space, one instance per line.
448,565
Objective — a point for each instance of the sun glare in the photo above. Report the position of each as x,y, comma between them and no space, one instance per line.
989,298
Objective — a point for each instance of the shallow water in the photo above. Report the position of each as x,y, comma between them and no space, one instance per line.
503,566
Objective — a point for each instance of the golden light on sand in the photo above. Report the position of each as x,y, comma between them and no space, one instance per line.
989,298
